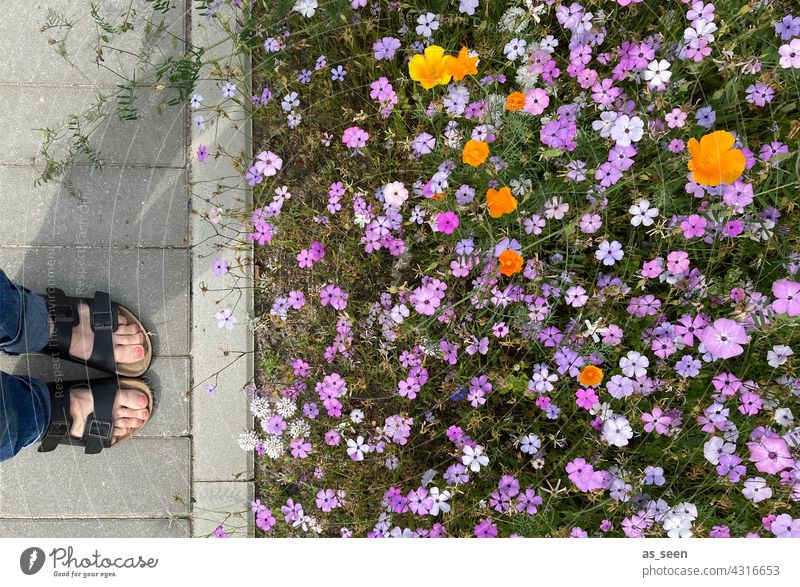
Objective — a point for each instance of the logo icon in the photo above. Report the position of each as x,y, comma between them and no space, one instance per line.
31,560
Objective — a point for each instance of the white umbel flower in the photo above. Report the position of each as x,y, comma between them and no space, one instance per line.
248,439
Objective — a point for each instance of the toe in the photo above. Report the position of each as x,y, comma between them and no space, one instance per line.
128,353
129,339
122,320
126,329
130,413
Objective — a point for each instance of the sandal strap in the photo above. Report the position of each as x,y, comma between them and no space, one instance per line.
60,419
63,311
97,434
99,427
103,320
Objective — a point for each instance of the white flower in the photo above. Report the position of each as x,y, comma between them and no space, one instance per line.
439,501
225,319
356,448
784,416
474,458
756,490
617,430
606,123
530,444
248,440
196,101
395,194
399,313
627,130
357,416
427,23
686,510
306,7
714,448
778,355
642,213
286,407
515,49
657,72
555,208
634,364
677,527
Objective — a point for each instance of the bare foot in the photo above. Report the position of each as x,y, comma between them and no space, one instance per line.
129,411
128,339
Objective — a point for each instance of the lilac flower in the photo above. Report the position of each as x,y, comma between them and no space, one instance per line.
723,338
609,253
385,48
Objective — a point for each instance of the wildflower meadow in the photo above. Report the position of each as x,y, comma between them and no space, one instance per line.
523,268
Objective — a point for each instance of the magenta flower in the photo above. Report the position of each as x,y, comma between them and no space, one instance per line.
787,297
202,153
447,222
770,454
723,339
355,137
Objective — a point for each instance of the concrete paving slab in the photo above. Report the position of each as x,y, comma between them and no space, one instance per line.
223,503
153,140
138,478
95,528
40,62
152,283
218,420
168,377
113,206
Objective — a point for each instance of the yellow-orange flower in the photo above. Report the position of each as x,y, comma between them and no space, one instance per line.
515,101
591,376
714,160
429,70
462,65
475,153
500,202
510,262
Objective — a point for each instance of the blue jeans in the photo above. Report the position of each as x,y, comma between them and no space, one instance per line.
24,401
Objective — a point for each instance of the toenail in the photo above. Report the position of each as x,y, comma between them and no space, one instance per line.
142,399
139,352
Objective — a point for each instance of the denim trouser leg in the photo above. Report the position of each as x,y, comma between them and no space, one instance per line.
24,401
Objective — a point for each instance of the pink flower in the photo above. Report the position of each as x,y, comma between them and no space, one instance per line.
694,225
447,222
770,454
536,100
723,339
202,153
354,137
678,262
787,297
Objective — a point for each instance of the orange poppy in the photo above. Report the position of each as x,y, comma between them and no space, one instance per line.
515,101
461,66
430,69
510,262
500,202
591,376
714,160
475,153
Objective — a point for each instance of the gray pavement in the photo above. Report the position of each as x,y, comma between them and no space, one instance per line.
127,229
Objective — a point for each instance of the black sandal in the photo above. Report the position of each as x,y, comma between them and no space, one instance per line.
104,321
99,429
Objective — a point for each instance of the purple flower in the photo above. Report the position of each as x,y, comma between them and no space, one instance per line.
385,48
723,339
220,267
609,253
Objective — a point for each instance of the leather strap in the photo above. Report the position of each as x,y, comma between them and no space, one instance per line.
99,428
60,419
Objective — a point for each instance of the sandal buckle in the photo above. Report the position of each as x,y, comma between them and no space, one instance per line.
101,429
62,314
102,320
